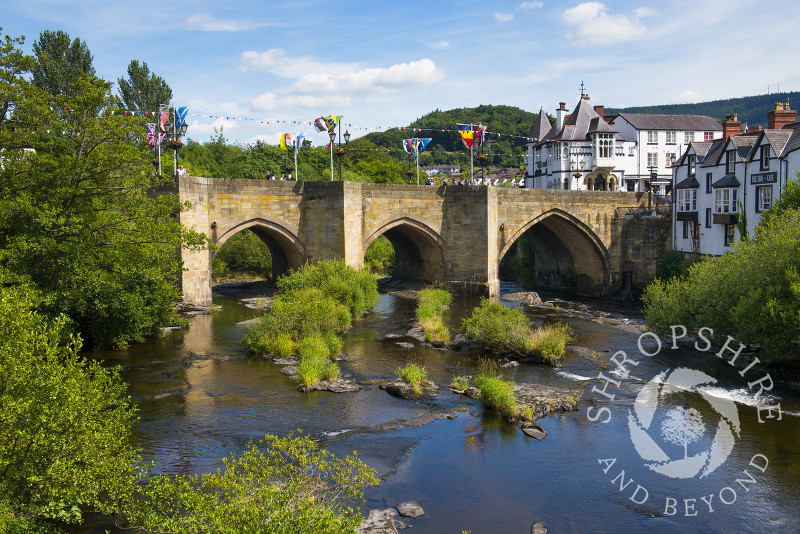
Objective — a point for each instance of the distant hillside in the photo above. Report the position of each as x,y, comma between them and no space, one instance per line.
750,109
504,119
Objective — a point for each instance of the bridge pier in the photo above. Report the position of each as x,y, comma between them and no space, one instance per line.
456,235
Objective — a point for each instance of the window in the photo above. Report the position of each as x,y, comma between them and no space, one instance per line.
764,157
725,200
687,199
671,137
604,145
685,229
763,198
688,137
555,151
730,234
708,182
631,150
652,137
709,217
671,157
691,161
708,136
730,161
652,159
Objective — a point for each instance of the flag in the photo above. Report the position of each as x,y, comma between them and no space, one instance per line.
287,142
480,135
162,121
151,134
180,116
321,124
423,143
332,121
467,136
409,147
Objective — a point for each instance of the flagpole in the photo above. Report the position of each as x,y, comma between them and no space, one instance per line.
296,150
332,159
416,144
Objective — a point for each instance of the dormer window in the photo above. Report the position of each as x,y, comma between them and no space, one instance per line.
725,200
764,157
691,160
730,161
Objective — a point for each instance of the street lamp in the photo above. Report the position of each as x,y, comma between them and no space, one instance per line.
340,152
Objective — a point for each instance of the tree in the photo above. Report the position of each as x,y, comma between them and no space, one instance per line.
60,62
143,91
682,427
80,217
14,65
64,423
282,486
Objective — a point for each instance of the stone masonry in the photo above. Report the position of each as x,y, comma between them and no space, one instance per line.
451,234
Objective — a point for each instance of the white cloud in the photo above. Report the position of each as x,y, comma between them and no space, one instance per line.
531,5
400,76
441,45
207,23
689,97
276,61
270,101
591,22
643,12
503,17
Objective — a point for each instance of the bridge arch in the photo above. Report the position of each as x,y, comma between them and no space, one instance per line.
287,251
568,254
419,250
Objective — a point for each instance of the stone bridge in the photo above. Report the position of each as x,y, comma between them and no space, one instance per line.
582,240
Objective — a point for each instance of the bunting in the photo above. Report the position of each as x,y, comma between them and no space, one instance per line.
151,134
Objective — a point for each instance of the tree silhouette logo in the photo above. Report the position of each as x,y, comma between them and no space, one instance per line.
681,426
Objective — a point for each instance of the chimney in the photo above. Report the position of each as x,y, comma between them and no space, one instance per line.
600,110
561,113
730,126
780,115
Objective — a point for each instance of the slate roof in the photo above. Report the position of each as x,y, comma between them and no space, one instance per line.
714,151
648,121
793,143
778,139
580,124
744,144
541,126
729,180
688,183
700,150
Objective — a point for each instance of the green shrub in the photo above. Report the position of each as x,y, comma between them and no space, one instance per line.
430,313
313,347
280,485
501,329
356,289
334,343
283,346
412,374
460,383
244,254
331,372
379,257
751,293
311,370
497,393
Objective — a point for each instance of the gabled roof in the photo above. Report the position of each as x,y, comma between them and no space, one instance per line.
688,183
793,143
580,123
699,148
729,180
777,139
647,121
541,126
743,144
714,151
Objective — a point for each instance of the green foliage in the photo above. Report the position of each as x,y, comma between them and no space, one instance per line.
244,254
142,91
79,217
60,63
64,424
313,347
412,374
357,289
460,383
789,200
281,485
500,329
520,260
431,304
283,346
674,263
496,391
310,371
379,257
334,343
750,293
297,315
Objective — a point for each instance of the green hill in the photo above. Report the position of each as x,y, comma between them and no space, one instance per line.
504,119
750,109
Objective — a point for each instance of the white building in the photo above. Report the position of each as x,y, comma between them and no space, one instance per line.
741,173
629,151
449,170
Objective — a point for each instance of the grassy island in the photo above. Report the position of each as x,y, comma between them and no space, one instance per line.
431,303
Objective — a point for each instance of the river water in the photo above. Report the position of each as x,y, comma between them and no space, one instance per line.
200,397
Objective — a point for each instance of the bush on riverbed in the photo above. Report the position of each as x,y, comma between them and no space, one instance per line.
496,392
413,374
356,289
431,303
501,329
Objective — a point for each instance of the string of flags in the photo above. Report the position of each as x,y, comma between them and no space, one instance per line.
324,124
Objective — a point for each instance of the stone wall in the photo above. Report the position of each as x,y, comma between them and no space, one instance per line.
454,234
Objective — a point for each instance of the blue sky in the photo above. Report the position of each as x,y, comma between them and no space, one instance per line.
386,64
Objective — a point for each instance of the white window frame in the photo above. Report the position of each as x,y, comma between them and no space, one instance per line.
652,137
652,160
672,137
725,200
764,157
692,162
688,137
687,200
763,198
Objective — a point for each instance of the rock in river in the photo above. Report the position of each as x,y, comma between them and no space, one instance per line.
398,388
410,509
381,522
341,385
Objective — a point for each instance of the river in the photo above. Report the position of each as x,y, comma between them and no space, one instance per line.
200,397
